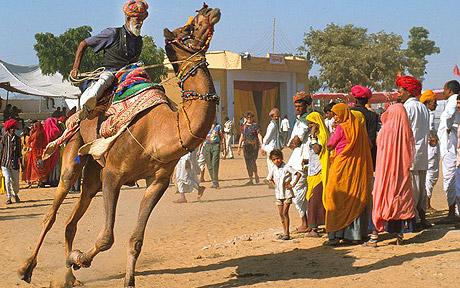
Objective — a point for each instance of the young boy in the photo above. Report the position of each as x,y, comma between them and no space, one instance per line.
281,177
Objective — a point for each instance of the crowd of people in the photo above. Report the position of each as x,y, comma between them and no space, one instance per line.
352,173
21,151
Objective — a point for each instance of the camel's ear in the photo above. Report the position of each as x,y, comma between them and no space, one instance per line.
215,16
168,34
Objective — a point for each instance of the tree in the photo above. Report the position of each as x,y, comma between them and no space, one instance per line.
349,55
418,48
57,53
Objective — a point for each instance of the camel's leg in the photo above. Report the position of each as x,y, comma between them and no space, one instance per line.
69,174
151,197
110,191
91,185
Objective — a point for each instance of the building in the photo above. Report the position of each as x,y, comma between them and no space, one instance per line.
244,83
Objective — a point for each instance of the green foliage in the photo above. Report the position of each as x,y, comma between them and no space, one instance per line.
418,48
349,55
152,55
314,84
57,53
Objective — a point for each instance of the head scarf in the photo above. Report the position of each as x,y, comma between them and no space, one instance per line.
10,123
392,192
428,95
359,91
350,175
273,112
52,131
410,83
300,96
136,8
323,136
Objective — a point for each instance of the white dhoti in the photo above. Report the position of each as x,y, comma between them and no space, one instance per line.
432,174
449,167
186,174
300,195
228,143
418,187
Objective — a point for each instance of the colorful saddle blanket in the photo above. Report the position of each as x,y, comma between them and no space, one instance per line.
133,94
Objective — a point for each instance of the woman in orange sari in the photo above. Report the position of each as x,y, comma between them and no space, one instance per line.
36,171
350,178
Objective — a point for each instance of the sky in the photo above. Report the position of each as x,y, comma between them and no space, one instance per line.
244,26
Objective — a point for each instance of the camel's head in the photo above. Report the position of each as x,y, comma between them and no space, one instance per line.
194,37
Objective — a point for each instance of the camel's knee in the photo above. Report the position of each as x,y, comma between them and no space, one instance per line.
106,241
49,219
135,246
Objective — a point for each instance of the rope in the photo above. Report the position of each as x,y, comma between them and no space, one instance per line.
142,146
94,75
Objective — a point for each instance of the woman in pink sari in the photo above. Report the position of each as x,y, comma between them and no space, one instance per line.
53,167
393,202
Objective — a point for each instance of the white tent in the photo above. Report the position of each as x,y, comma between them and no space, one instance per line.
29,80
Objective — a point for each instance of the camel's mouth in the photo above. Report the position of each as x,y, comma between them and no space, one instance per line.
196,34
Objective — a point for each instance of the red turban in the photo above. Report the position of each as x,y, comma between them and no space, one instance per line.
301,96
136,8
359,91
10,123
412,85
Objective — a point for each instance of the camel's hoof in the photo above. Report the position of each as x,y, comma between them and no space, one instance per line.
25,272
77,259
64,278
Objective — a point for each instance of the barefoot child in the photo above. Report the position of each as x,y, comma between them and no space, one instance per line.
280,176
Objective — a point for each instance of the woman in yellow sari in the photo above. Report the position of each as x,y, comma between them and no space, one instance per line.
318,166
350,178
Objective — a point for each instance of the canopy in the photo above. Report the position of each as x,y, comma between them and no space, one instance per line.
377,97
29,80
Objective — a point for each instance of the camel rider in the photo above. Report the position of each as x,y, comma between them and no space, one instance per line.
121,46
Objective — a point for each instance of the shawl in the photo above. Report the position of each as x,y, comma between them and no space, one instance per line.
350,175
393,198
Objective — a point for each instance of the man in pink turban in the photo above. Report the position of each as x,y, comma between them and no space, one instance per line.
362,95
419,117
121,45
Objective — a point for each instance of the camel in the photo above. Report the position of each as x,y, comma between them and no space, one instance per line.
149,149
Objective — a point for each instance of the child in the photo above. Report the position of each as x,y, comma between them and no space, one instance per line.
281,177
432,173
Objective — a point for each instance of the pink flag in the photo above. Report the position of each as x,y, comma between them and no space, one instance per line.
456,70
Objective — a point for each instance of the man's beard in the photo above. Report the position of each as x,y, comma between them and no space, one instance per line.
134,29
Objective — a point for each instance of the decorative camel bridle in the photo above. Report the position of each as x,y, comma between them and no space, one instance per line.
189,68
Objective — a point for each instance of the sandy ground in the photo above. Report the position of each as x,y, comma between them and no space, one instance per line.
226,240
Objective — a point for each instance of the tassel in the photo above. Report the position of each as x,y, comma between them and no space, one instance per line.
77,159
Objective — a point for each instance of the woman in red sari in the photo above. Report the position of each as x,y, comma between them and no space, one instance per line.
36,171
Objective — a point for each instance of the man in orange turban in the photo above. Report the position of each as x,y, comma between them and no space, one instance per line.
418,114
429,99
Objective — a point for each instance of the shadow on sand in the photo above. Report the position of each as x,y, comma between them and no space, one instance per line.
314,263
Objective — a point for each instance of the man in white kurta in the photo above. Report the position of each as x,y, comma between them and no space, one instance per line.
419,118
428,98
447,133
186,176
228,134
298,144
272,139
284,129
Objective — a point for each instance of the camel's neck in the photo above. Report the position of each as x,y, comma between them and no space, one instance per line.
201,113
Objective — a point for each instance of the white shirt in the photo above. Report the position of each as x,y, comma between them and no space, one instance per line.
228,127
272,139
281,175
314,162
432,124
300,130
329,125
419,119
285,125
448,120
